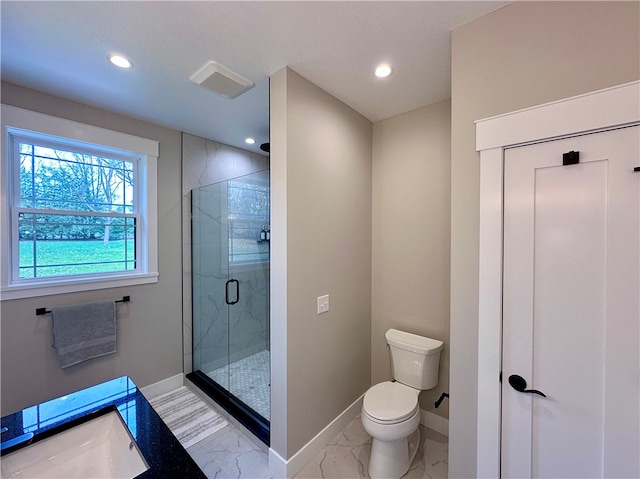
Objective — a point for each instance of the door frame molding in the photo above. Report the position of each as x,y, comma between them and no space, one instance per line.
603,109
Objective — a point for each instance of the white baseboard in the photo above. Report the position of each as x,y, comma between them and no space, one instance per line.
277,465
434,422
164,386
282,468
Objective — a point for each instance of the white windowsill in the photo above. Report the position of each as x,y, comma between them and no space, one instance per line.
32,290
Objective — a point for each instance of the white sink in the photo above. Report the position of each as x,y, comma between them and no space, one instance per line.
99,448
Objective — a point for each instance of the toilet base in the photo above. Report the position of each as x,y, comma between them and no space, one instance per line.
392,459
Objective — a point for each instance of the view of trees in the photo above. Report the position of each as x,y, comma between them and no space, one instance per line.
248,206
248,215
66,182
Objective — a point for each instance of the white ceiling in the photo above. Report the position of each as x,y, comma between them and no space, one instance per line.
61,48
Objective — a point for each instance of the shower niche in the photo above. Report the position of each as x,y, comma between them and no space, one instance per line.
230,297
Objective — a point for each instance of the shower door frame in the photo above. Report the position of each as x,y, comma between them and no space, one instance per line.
224,397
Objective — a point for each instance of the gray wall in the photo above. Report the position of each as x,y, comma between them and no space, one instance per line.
411,236
321,244
523,55
149,327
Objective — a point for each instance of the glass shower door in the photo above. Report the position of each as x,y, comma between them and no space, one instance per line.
210,272
230,277
248,260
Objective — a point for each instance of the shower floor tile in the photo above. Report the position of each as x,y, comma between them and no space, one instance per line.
249,381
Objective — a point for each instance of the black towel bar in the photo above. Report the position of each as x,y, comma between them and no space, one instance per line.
41,311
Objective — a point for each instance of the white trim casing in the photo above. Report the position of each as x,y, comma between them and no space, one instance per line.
603,109
17,119
32,121
490,306
571,116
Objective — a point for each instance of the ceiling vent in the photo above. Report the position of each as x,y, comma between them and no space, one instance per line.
221,80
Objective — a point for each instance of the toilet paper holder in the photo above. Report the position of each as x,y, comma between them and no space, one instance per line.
441,398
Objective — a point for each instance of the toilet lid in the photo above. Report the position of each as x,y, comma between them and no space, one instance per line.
390,402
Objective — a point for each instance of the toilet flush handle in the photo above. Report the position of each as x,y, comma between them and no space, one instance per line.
519,384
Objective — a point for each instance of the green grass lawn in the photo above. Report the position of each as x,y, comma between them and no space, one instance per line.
62,257
248,250
68,257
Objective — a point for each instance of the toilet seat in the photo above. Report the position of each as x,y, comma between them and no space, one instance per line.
390,402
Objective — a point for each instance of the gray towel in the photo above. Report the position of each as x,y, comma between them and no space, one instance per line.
84,331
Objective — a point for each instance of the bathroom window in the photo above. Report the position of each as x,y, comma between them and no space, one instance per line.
76,210
248,220
79,213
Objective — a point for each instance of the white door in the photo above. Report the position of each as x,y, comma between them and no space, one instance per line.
571,308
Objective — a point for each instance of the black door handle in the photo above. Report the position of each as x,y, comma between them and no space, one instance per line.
226,291
519,384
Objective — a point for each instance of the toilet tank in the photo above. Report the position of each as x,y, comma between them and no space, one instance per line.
415,360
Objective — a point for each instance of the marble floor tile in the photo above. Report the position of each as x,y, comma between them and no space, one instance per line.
229,454
432,458
347,456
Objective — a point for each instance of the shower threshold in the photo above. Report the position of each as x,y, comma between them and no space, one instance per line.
250,404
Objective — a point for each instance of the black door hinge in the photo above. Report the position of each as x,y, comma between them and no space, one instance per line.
571,158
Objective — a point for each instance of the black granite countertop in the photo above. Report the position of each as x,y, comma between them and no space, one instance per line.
163,452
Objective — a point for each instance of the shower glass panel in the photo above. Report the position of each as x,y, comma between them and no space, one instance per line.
230,278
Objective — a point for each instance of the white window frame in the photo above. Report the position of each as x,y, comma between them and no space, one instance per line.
20,122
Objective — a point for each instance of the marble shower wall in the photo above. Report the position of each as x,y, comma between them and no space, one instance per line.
206,162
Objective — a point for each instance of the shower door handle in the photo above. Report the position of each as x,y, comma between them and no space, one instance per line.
226,291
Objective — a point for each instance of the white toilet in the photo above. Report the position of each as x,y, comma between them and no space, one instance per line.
390,411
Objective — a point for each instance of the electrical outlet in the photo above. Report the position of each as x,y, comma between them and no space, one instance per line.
323,304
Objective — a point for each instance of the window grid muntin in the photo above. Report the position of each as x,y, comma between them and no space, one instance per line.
254,221
127,238
236,255
72,146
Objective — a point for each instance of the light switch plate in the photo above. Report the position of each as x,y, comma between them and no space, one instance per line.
323,304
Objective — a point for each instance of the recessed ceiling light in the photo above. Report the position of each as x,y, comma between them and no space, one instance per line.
383,70
120,61
249,141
